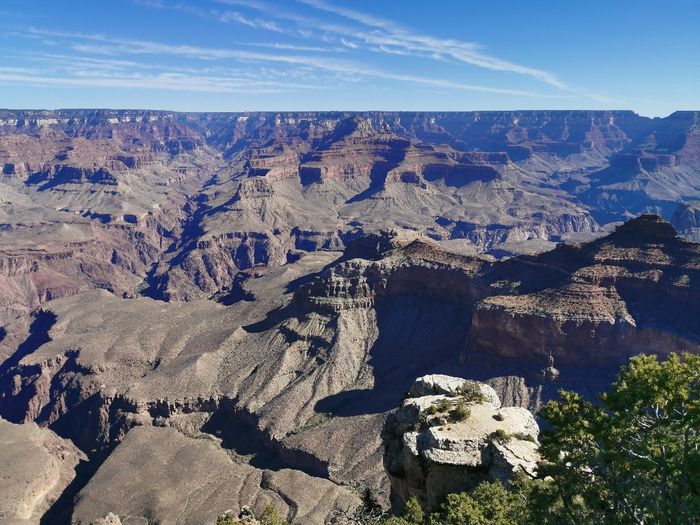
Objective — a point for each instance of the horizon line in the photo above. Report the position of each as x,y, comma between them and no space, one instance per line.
223,112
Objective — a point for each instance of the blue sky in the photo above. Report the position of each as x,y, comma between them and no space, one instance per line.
273,55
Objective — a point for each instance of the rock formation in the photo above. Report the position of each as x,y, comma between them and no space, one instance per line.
686,219
318,350
36,466
261,285
451,434
190,200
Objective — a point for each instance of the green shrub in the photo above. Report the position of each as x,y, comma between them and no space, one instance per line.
634,457
226,520
501,436
412,515
444,405
460,412
430,411
524,437
470,392
488,504
271,517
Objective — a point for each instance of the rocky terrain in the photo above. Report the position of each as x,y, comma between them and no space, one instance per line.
218,297
451,434
176,205
37,466
319,351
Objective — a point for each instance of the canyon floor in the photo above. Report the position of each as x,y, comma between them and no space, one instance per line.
201,312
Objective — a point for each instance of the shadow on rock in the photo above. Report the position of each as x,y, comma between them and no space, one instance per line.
417,336
38,335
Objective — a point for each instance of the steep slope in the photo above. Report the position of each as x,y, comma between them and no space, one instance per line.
91,200
318,350
195,481
686,219
36,467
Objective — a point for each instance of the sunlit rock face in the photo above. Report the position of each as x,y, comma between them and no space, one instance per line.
273,283
432,449
190,200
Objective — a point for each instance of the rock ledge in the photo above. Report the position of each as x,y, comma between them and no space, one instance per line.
449,435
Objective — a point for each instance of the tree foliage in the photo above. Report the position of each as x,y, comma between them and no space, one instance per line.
635,457
271,517
632,458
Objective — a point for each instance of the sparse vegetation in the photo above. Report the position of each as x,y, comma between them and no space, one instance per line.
501,435
489,504
269,516
460,412
634,458
444,405
524,437
431,410
470,392
314,421
370,512
413,514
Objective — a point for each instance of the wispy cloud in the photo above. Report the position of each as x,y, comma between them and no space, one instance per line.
385,36
315,44
235,16
287,47
59,70
348,43
101,44
171,82
395,39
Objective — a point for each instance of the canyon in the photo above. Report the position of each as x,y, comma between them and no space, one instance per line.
177,205
228,294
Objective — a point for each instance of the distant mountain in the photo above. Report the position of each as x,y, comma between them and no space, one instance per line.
300,270
175,205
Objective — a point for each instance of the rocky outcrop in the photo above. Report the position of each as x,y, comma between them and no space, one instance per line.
114,257
449,435
603,302
62,174
36,465
212,265
686,219
160,475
